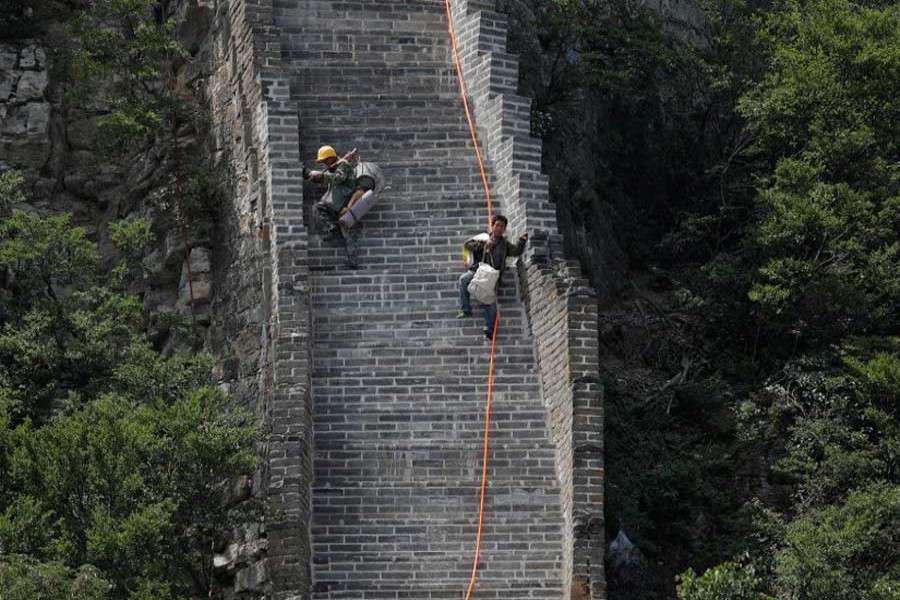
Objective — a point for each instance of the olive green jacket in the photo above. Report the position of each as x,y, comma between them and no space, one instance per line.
341,184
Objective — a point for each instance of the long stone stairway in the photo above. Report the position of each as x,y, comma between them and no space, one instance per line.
398,384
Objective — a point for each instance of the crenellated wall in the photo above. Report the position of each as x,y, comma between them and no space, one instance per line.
258,264
262,313
561,306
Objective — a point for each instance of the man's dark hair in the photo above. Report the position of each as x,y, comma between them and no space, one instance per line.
496,218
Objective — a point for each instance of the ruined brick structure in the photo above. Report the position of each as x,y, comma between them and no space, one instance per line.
371,393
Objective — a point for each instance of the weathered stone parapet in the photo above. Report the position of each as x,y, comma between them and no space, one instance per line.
263,310
25,108
290,441
562,309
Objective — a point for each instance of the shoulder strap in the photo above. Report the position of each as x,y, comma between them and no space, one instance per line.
484,254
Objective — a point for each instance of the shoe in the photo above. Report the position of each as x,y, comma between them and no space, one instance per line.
488,335
463,314
353,266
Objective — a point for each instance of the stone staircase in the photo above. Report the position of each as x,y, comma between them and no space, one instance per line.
398,384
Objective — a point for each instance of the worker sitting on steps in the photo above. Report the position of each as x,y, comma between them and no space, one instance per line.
491,248
340,180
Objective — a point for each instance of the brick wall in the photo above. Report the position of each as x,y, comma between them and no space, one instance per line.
290,443
261,315
561,307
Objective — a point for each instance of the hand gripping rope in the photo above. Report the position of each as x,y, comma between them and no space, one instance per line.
487,409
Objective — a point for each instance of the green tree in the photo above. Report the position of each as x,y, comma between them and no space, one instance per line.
846,551
765,178
727,581
821,274
124,53
26,579
827,112
114,460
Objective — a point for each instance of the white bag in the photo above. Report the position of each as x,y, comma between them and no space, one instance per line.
369,177
484,285
359,210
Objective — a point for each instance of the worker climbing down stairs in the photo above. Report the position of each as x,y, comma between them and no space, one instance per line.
339,177
485,258
353,188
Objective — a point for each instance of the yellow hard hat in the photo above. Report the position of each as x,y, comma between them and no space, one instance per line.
325,152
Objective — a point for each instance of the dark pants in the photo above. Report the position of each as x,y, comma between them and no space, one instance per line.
326,224
465,303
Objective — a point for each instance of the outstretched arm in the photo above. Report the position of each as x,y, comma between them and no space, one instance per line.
517,248
474,245
339,175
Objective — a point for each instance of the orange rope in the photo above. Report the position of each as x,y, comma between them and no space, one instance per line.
487,410
484,460
463,94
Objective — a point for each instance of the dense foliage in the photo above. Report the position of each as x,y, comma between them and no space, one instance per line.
113,459
746,162
117,464
123,54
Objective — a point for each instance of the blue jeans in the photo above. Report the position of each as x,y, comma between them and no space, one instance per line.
465,303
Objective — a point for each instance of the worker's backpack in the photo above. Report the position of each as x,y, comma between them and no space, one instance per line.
369,177
370,183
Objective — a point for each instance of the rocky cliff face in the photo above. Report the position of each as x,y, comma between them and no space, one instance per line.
572,119
53,142
200,270
25,107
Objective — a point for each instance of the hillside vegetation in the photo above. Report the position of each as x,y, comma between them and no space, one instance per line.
733,185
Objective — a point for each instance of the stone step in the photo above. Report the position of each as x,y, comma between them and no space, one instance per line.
421,130
448,521
425,581
457,542
406,245
453,150
334,260
349,439
398,384
509,472
351,79
407,433
340,473
449,457
397,168
467,375
391,100
357,17
401,36
395,305
337,333
410,48
362,108
415,354
426,210
408,129
448,392
464,341
329,363
391,222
